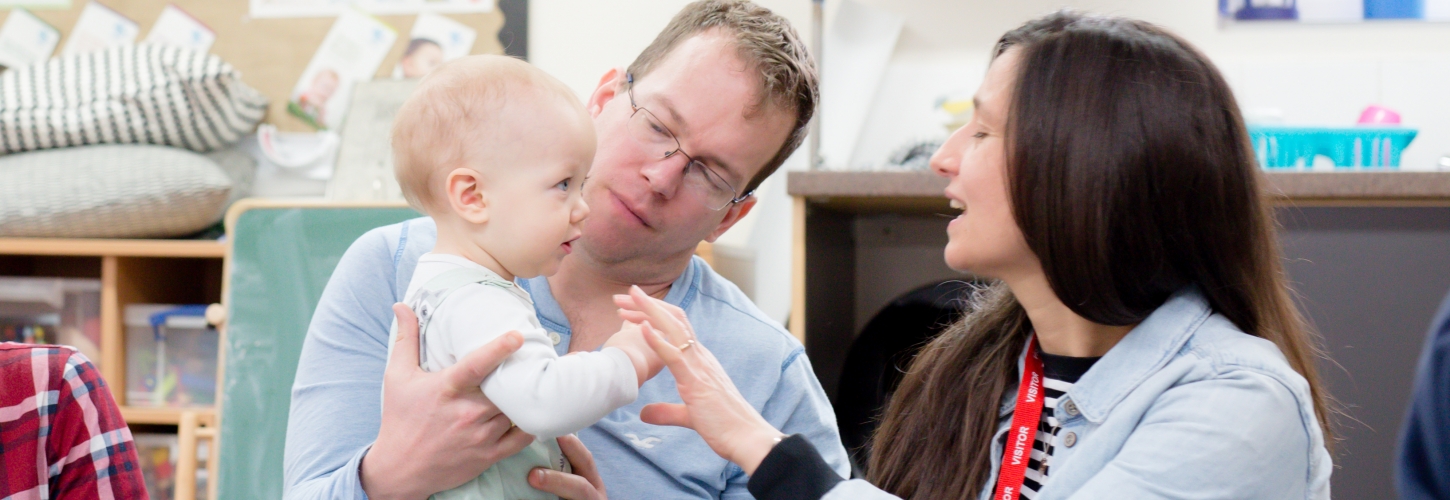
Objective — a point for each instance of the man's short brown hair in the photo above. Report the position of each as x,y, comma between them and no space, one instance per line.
767,42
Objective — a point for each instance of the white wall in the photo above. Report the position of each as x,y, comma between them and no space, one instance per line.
578,40
1320,74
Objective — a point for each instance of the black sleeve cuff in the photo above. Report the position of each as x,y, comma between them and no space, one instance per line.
793,470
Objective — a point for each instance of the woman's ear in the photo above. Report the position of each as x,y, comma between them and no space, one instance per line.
609,86
466,195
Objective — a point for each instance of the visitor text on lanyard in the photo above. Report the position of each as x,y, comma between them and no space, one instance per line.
1024,427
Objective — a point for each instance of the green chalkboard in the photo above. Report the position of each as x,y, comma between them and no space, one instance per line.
281,258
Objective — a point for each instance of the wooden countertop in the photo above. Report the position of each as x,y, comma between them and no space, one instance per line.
922,191
112,247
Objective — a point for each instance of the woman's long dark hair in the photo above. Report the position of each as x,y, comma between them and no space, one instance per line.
1131,176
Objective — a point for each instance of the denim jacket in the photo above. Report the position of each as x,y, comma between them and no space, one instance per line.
1186,406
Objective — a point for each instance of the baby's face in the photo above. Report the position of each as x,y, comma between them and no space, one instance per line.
536,205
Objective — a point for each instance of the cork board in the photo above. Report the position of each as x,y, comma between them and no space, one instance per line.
270,53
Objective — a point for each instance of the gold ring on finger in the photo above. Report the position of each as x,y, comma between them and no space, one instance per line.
688,344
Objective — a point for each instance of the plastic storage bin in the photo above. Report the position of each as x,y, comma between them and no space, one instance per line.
171,356
1347,147
63,311
157,454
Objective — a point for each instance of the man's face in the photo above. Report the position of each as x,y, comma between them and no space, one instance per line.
704,93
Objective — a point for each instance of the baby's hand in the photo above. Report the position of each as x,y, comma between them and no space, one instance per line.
630,339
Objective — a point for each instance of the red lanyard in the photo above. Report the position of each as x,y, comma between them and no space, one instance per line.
1024,428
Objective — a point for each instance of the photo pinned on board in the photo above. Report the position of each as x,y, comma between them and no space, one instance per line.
25,40
100,27
434,40
351,53
178,28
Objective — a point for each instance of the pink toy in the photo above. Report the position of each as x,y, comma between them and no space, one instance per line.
1379,115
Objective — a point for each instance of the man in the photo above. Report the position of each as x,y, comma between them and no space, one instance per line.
706,112
1423,471
61,434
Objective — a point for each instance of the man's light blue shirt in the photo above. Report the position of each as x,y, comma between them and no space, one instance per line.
336,397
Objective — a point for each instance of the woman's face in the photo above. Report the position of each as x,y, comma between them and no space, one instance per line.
984,239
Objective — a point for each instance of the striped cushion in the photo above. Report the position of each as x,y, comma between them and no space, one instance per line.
110,191
134,94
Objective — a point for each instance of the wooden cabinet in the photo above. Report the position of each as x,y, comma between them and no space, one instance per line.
131,272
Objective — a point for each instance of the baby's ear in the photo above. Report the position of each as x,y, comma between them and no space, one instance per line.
466,196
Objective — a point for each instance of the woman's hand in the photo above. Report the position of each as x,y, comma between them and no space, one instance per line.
583,484
713,406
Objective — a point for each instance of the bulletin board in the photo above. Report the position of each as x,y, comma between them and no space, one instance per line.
271,53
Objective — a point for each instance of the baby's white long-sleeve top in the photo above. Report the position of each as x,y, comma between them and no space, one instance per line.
544,394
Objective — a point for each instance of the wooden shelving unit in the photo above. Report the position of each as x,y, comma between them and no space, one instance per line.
131,272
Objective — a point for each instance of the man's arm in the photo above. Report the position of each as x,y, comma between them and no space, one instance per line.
336,401
799,406
1424,462
438,429
87,430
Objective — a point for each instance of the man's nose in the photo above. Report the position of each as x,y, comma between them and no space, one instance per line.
665,175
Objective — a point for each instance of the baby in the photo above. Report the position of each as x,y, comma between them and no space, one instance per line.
496,152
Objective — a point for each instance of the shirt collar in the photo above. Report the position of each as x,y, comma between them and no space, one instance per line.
1144,351
551,315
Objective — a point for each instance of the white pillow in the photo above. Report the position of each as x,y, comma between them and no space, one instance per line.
111,191
133,94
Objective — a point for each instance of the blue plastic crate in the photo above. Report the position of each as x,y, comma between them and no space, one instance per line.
1347,147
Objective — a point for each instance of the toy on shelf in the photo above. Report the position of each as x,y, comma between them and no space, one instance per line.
52,311
172,356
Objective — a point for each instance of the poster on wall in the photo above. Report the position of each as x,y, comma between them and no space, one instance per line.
350,53
325,8
25,39
433,41
176,27
1333,11
99,27
35,4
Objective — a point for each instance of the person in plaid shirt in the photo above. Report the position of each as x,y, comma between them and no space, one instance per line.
61,434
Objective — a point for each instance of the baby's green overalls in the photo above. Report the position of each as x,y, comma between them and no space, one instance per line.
507,479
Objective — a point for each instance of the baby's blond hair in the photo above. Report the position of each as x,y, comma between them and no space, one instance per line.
452,115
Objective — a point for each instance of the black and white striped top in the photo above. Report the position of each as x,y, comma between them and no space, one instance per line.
1059,374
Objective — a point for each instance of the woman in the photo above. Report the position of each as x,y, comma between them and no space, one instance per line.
1140,342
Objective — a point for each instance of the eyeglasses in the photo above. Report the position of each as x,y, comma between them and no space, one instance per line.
715,191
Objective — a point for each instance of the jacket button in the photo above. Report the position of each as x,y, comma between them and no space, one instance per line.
1069,439
1070,408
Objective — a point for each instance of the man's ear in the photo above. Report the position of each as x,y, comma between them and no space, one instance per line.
736,212
609,86
466,195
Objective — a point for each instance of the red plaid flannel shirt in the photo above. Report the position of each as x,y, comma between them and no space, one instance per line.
61,434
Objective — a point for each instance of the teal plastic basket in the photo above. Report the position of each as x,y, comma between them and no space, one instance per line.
1347,147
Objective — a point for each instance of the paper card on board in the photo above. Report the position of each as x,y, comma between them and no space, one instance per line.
177,28
100,27
434,40
25,39
322,8
35,4
351,52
